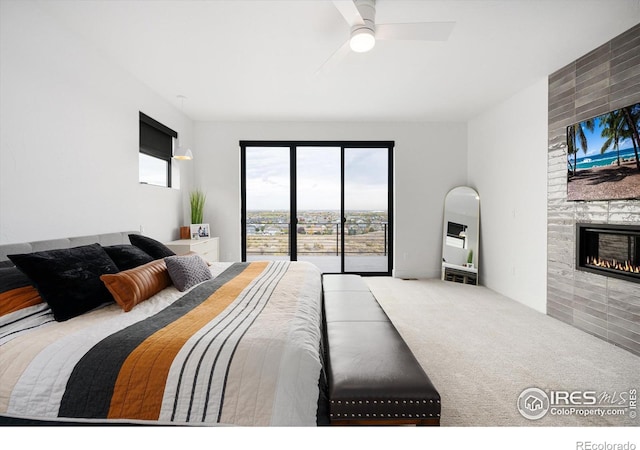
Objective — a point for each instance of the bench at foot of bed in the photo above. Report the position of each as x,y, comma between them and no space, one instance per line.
374,378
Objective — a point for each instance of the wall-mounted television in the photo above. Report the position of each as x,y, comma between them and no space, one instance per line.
603,156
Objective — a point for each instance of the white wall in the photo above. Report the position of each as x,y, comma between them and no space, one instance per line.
508,167
69,161
430,159
69,137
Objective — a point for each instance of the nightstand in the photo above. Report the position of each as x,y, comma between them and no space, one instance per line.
207,248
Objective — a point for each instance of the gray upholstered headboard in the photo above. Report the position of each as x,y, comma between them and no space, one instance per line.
51,244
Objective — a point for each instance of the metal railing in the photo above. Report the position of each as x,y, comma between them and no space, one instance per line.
318,238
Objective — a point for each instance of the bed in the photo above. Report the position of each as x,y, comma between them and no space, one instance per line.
243,347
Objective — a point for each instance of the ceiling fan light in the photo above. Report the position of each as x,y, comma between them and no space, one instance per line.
362,40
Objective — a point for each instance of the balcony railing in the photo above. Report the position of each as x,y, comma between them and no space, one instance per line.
315,238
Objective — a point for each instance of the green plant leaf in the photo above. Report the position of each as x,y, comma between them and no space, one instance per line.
197,199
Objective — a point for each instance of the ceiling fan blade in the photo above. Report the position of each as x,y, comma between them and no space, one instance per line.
425,31
349,11
335,58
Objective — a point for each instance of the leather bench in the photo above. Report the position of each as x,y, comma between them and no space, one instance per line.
373,377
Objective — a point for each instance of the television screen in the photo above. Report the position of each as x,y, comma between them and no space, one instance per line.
603,156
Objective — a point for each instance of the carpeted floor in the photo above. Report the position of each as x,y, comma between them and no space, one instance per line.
481,350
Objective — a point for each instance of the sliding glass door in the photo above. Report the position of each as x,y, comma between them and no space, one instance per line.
366,210
328,203
318,199
267,203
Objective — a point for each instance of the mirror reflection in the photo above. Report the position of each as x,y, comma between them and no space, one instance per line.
461,235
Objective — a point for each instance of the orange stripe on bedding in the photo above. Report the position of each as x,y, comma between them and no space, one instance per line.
139,389
19,298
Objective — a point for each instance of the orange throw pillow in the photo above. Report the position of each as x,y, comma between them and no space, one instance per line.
136,285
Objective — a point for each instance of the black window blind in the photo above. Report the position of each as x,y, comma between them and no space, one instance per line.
156,139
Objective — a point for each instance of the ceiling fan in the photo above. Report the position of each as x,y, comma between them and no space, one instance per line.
360,16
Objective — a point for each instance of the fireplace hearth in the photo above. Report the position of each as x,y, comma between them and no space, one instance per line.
609,250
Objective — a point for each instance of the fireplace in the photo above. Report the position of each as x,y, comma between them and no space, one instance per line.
609,250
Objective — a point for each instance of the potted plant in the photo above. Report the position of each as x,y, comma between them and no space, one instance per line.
470,258
198,229
197,199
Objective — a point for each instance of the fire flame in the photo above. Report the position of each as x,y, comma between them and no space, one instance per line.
625,266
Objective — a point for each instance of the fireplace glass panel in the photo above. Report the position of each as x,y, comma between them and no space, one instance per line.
615,247
610,250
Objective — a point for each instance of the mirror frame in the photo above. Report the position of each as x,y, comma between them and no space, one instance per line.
465,215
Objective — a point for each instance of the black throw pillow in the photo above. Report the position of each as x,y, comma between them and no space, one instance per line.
12,278
127,256
69,279
16,293
150,246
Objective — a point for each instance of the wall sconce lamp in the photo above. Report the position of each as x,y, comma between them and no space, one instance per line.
180,152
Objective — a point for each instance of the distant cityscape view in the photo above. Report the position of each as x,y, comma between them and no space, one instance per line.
318,232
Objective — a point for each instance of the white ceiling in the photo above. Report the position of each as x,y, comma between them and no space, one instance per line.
259,60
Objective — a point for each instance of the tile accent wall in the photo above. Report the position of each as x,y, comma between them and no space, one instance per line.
603,80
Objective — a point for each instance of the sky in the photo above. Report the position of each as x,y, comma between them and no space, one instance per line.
152,170
318,178
595,141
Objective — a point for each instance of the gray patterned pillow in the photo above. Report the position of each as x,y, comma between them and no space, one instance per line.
186,271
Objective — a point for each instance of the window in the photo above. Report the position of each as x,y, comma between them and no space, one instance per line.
156,150
326,202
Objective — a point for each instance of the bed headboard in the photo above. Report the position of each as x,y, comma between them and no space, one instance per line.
51,244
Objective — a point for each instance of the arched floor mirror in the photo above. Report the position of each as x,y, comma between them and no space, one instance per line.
461,235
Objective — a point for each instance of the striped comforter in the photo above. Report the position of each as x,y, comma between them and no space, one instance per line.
240,349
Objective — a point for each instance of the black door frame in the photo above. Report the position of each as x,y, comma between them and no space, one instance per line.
293,209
